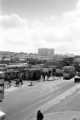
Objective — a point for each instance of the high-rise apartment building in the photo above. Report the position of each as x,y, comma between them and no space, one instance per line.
45,52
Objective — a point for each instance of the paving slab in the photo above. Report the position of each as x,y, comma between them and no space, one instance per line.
66,115
63,115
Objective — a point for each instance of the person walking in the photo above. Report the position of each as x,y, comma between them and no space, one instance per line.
40,115
21,78
46,77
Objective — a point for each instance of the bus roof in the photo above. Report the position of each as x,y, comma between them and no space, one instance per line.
17,65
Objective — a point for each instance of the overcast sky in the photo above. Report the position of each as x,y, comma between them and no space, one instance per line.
26,25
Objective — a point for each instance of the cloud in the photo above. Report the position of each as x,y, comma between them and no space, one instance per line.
10,21
78,4
59,32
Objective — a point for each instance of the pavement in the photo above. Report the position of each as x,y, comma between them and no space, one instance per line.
62,114
66,115
46,84
44,87
27,84
59,98
13,88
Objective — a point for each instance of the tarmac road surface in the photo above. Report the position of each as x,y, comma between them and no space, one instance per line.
22,103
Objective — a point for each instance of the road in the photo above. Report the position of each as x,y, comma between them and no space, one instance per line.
50,96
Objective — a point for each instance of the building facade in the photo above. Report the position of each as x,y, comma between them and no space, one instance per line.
45,52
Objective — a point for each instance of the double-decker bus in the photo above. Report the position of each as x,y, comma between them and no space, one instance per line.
2,76
1,86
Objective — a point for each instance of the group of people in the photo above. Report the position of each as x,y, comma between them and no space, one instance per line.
18,80
45,76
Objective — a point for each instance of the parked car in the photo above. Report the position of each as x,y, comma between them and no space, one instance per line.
2,115
77,78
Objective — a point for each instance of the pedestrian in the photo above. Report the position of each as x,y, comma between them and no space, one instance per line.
42,78
17,82
9,83
21,78
46,77
40,115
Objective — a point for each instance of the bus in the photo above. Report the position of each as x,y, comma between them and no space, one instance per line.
1,86
68,72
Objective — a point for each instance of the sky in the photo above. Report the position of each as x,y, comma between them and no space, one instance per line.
26,25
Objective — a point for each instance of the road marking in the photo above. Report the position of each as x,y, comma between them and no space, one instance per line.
58,99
